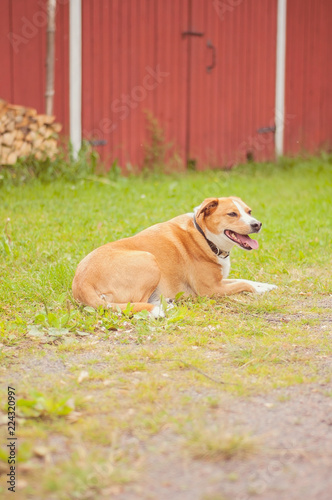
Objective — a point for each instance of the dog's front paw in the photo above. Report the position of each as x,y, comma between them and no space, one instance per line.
158,312
262,287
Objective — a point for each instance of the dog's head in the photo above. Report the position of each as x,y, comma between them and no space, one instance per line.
227,222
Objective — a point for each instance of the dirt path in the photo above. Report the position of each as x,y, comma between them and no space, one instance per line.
291,426
295,460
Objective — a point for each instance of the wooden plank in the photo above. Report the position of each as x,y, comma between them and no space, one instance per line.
87,69
140,39
308,76
99,56
61,84
119,74
107,83
6,41
171,63
29,22
226,103
115,149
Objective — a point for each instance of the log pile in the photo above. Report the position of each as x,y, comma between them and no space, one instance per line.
23,133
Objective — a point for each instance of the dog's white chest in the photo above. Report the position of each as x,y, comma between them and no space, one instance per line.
225,266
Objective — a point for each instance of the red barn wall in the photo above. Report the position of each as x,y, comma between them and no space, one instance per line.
134,62
23,53
235,99
211,117
308,93
142,56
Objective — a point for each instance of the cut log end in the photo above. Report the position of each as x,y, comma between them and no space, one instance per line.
24,132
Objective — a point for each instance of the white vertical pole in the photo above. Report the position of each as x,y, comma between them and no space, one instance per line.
280,77
75,74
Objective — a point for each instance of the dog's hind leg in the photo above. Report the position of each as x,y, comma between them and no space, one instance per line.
126,278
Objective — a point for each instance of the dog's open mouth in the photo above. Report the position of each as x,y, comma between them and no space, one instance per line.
243,240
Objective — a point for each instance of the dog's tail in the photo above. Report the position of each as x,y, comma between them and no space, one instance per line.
131,306
91,298
156,311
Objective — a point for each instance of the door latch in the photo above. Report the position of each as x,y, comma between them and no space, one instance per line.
192,33
210,45
266,130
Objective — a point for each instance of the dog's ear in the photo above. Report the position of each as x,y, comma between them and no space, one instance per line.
208,206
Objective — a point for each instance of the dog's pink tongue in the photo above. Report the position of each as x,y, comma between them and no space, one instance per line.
245,239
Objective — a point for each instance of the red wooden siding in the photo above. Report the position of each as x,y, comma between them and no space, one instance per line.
137,59
136,62
308,125
171,96
211,118
6,62
23,53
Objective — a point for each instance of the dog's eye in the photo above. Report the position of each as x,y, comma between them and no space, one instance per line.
249,212
232,214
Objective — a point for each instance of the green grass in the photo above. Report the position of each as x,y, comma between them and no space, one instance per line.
214,443
143,377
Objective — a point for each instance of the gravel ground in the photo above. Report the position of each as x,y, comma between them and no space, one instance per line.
294,426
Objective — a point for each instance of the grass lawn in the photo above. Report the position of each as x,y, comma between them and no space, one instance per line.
97,393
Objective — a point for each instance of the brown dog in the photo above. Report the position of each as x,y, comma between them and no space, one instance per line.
189,254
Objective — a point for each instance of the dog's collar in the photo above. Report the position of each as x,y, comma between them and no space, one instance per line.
219,253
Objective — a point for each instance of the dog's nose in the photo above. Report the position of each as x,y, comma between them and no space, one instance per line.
256,225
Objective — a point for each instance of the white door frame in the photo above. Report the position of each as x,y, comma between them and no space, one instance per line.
280,77
75,75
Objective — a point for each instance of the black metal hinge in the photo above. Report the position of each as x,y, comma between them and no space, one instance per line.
98,142
192,33
266,130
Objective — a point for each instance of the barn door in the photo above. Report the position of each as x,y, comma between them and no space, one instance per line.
205,69
232,81
134,71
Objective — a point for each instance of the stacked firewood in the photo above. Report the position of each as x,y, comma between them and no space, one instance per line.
23,133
